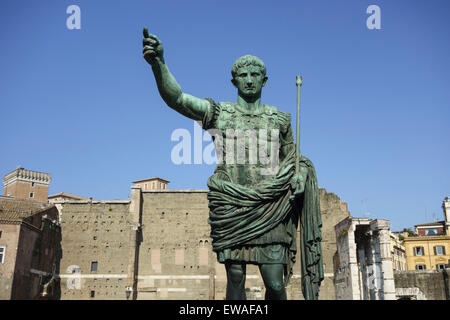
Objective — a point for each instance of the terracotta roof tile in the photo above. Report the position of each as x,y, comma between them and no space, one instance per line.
18,210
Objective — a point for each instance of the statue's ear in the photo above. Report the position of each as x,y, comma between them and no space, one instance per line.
265,81
233,81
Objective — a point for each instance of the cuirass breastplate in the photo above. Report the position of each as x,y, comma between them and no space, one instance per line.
248,142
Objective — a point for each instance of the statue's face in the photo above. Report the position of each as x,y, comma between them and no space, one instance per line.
249,81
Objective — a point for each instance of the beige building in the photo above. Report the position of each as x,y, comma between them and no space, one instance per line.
62,196
151,184
398,252
157,246
27,185
430,250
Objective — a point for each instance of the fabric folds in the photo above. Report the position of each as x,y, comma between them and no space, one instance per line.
239,214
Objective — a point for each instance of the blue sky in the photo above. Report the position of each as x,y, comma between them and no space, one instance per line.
83,104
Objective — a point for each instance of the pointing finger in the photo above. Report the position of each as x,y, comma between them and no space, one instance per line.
145,32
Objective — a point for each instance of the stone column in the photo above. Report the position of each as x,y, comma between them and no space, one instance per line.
346,275
353,264
374,276
134,219
363,269
446,208
384,259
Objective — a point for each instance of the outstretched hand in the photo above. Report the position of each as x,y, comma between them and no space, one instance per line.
152,47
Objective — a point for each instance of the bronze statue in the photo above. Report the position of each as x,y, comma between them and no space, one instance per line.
255,206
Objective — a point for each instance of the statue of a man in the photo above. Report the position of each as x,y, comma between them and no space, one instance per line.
254,206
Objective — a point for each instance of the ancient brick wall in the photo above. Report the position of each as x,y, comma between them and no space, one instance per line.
92,232
422,285
172,245
175,256
333,211
22,190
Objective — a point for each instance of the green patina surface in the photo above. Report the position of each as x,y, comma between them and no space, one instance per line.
255,206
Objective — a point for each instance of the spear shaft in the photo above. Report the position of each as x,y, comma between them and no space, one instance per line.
297,149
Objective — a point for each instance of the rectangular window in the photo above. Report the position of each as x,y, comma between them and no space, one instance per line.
1,233
431,232
94,265
31,195
418,251
439,250
92,294
32,184
440,266
2,254
421,267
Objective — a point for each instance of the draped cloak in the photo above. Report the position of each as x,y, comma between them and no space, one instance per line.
240,213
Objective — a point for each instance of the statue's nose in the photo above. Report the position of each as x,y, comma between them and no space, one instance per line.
249,80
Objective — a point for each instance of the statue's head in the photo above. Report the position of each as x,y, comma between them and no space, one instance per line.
249,76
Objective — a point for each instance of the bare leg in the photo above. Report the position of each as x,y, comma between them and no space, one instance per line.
272,275
235,281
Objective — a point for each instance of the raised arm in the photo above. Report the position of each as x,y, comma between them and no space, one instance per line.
168,87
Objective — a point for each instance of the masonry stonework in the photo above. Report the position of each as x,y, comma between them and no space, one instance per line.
95,248
27,185
423,285
30,238
157,246
364,269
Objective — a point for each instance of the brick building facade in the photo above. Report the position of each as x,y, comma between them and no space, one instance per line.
29,249
27,185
